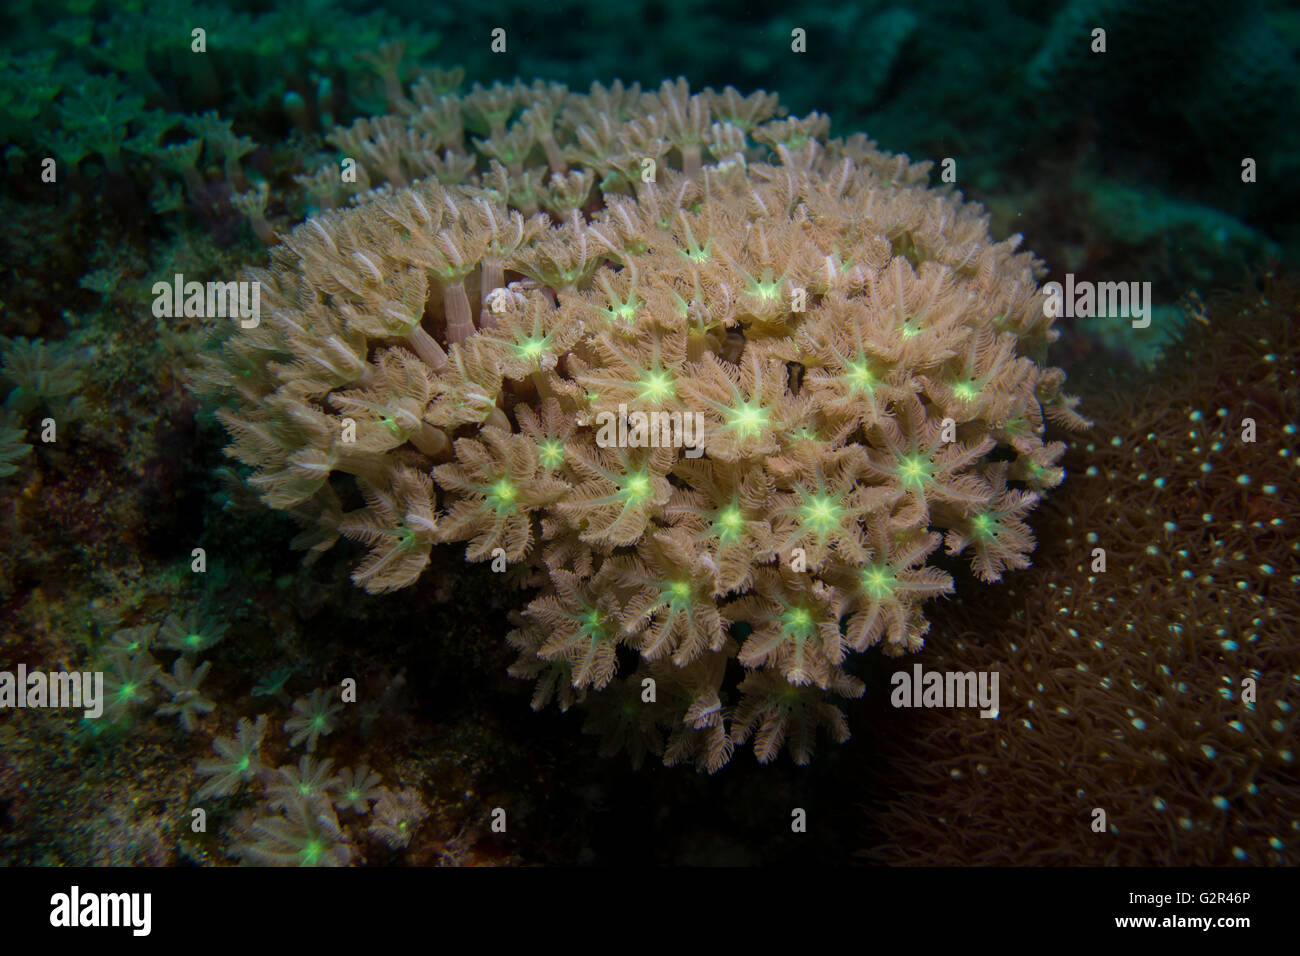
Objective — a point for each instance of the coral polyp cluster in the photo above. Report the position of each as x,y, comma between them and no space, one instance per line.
724,384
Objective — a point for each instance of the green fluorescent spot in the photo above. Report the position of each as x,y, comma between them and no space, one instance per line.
798,622
502,494
533,348
767,289
860,377
822,513
966,391
983,525
914,470
591,623
730,523
637,486
699,254
878,581
623,311
656,386
551,452
749,418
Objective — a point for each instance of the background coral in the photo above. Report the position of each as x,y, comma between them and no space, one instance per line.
12,446
1124,689
40,377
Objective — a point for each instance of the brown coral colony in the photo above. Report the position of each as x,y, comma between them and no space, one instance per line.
532,297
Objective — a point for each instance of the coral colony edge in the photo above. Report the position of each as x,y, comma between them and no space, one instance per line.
722,390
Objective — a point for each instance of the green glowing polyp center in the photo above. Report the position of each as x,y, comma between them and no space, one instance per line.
748,419
591,624
822,513
551,452
637,487
769,289
533,348
730,522
502,494
914,470
878,581
657,385
798,622
860,377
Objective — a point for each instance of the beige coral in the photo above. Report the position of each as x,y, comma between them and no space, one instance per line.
866,362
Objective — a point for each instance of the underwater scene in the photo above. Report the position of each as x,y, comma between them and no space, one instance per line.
678,433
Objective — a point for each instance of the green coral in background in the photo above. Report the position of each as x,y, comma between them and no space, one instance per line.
239,760
40,376
12,446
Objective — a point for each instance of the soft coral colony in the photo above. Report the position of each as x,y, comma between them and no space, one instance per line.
520,262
